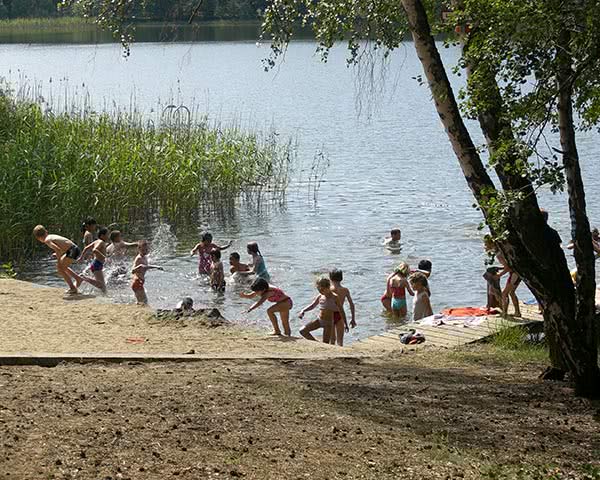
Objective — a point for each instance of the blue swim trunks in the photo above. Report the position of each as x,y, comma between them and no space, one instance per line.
398,303
96,266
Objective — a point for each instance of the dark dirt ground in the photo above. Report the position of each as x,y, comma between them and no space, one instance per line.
430,414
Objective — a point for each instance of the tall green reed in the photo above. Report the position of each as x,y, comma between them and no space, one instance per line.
119,168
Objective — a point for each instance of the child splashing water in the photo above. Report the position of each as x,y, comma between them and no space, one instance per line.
98,249
140,267
88,228
282,304
258,263
329,303
396,290
339,328
203,250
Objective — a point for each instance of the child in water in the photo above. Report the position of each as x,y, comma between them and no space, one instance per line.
339,327
329,303
217,275
98,249
88,228
203,250
235,265
282,304
396,290
421,303
118,247
140,267
393,243
65,251
258,263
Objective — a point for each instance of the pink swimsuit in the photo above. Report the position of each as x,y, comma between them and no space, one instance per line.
277,295
204,260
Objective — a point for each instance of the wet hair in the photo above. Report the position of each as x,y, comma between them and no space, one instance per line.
336,275
235,255
544,214
141,243
39,231
114,235
395,231
419,279
402,269
187,303
206,237
425,265
102,231
253,248
88,222
323,282
216,254
259,285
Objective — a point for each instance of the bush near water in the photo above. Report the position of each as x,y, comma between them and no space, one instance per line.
57,169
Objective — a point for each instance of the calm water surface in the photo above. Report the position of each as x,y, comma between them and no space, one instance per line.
390,166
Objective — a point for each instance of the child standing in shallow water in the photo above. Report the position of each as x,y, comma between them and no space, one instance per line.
339,327
259,267
421,303
283,304
396,290
98,249
88,228
329,303
140,267
217,275
203,250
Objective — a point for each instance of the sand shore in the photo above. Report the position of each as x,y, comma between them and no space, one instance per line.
37,319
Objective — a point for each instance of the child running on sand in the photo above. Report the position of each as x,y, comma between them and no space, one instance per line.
98,249
203,250
140,267
421,303
118,247
396,290
339,327
282,304
329,303
258,263
217,275
66,253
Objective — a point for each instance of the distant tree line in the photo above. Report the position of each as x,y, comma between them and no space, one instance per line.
160,10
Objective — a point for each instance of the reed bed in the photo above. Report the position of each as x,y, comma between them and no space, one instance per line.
56,169
46,24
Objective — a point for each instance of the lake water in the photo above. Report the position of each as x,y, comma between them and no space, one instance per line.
391,165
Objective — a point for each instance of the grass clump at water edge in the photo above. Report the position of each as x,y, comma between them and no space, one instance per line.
57,169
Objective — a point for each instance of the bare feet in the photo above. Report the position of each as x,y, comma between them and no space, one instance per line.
275,334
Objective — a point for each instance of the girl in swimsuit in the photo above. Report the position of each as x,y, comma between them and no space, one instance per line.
329,303
203,250
396,290
258,263
282,304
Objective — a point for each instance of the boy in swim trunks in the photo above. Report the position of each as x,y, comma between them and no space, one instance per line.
235,265
339,328
66,253
140,267
98,249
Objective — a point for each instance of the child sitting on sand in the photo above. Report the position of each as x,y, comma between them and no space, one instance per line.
393,242
66,253
339,327
203,250
329,303
217,275
140,267
283,304
421,303
98,249
397,288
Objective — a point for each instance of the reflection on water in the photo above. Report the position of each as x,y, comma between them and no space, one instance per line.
396,169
